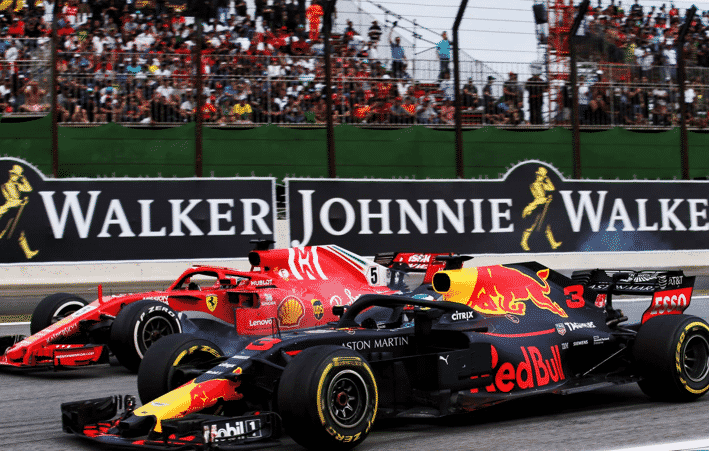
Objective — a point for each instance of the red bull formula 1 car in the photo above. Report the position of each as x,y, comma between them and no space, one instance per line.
286,289
489,334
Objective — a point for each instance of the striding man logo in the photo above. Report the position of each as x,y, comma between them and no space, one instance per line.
15,201
537,209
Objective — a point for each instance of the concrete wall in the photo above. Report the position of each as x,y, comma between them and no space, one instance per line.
94,273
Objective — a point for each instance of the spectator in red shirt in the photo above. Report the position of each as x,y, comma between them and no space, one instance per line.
17,28
314,14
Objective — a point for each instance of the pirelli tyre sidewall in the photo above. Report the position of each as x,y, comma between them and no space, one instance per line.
53,308
137,327
165,364
672,353
327,398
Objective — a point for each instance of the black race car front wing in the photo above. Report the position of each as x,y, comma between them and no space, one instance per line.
100,420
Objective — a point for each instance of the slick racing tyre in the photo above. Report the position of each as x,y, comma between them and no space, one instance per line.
327,398
173,361
54,308
672,353
137,326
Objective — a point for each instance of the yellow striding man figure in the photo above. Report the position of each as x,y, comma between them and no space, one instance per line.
539,188
12,191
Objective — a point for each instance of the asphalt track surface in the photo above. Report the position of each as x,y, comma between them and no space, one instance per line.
606,419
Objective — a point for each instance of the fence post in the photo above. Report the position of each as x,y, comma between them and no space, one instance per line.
327,25
197,62
53,90
682,78
459,163
576,133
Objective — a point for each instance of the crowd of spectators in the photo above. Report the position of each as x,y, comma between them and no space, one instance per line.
635,51
122,62
132,62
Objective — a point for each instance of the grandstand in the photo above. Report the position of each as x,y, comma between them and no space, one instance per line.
132,64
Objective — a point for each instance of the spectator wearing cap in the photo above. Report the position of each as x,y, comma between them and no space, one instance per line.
374,32
470,95
669,54
426,114
242,110
397,113
444,55
536,87
511,90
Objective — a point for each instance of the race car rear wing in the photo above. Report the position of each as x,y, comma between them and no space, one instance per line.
420,262
671,290
619,281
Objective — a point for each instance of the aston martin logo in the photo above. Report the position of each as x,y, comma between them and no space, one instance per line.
212,301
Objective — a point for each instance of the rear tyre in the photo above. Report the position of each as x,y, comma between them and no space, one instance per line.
672,353
173,361
137,326
327,397
54,308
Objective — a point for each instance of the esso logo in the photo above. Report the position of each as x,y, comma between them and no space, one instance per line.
667,304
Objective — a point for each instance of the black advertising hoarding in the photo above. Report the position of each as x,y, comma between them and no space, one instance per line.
90,220
533,208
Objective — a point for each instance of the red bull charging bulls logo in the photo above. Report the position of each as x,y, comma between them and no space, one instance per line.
497,290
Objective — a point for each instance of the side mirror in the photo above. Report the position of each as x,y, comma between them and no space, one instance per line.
338,310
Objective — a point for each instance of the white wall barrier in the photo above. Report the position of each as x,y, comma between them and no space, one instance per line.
95,273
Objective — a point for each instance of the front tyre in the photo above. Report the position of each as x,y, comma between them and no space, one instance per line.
54,308
137,326
173,361
327,397
672,353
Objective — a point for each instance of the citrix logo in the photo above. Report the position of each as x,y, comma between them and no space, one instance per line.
462,316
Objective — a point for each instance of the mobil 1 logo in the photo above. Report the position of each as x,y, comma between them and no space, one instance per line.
233,430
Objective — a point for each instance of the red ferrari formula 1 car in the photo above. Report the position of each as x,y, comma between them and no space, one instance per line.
285,289
496,333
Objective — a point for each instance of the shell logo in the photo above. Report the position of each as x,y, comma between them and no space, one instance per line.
212,302
290,312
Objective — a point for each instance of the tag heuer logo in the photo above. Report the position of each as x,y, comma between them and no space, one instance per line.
560,328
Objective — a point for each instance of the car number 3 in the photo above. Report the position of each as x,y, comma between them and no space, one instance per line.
574,296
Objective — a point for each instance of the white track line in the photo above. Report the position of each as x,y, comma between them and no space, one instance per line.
702,444
16,324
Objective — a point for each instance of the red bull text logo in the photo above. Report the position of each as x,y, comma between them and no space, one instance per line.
533,371
499,290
